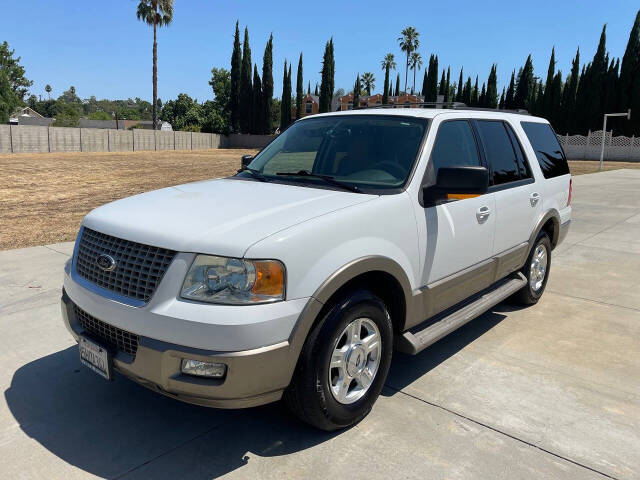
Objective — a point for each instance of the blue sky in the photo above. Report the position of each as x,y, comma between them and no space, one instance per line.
101,49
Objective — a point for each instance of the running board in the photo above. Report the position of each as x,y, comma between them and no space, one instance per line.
417,339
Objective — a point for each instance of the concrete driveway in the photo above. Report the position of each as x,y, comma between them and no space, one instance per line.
551,391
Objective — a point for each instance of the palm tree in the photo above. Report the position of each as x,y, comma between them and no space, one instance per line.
388,62
368,82
157,13
416,64
47,88
409,42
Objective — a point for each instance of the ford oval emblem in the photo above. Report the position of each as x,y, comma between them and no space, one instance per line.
106,262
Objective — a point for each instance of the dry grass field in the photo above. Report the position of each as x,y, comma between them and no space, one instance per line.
43,197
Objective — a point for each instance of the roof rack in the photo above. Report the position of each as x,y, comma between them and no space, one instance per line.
444,105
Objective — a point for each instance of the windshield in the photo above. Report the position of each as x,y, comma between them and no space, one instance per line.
369,152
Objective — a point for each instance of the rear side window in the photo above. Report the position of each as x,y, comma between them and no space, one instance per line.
501,154
548,150
455,146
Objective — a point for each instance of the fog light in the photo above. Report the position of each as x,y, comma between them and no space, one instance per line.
203,369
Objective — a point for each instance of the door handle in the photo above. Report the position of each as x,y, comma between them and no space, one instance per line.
482,214
534,198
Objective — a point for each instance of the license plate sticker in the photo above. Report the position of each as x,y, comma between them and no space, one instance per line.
95,357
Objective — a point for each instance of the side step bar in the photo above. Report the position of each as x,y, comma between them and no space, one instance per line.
419,338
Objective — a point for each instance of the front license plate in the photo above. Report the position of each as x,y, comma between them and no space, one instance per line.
96,357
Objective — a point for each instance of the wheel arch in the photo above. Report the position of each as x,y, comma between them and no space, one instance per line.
550,223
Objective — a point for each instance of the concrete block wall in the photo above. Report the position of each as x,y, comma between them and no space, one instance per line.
64,139
5,139
200,141
120,140
238,140
143,139
183,140
165,140
94,139
29,139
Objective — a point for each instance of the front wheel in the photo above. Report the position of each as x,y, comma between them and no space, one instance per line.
536,270
344,363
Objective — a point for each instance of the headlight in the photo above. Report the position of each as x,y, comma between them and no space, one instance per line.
234,281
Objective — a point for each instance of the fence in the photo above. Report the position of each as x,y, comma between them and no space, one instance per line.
38,139
580,147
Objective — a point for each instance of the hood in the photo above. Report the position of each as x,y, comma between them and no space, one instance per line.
220,217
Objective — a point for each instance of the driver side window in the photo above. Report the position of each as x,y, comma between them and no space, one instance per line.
455,146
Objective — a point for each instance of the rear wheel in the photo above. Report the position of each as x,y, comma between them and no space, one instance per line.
536,270
344,363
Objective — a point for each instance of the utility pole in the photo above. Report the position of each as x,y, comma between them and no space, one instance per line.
604,131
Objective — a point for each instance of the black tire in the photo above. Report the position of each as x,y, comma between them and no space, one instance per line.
528,295
309,396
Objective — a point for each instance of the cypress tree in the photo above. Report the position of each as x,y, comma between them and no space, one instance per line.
491,99
257,121
629,82
547,101
246,90
501,104
466,92
511,92
309,88
432,80
482,101
299,89
474,94
385,88
327,81
267,87
397,92
236,66
538,99
523,94
447,90
567,122
316,90
460,86
425,80
356,92
285,101
443,84
556,100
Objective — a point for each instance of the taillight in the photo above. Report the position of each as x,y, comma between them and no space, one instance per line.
570,190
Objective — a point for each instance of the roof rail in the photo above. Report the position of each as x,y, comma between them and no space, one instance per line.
444,105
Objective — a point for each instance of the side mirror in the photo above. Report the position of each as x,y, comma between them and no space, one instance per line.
457,182
246,160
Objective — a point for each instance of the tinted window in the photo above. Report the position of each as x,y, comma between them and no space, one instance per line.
548,150
455,146
501,156
523,165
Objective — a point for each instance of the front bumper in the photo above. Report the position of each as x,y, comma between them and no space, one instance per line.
257,373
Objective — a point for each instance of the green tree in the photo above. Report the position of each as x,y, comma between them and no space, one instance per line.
285,105
157,13
236,68
475,94
501,104
442,87
511,92
246,89
415,64
547,101
491,100
356,92
409,41
15,73
629,82
567,121
368,81
257,120
388,63
591,95
216,113
397,92
9,99
483,96
460,87
66,115
327,83
430,87
99,116
299,89
524,89
447,89
466,92
47,88
267,89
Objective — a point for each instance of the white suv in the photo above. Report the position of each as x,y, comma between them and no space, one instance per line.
352,234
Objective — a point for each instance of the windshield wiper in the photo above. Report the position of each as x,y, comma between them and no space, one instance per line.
254,172
327,178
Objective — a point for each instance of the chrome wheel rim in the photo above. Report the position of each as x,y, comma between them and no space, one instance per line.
538,268
354,361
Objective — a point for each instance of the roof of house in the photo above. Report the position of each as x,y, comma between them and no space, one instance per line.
26,111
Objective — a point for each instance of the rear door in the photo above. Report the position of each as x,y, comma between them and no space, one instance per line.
517,196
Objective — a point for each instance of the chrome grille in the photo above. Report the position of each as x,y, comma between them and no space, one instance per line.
109,335
139,268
